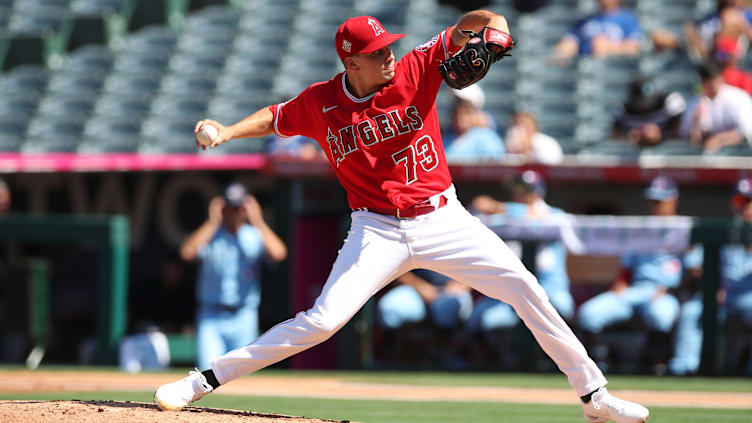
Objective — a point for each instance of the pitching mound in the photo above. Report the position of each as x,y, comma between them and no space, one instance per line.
126,411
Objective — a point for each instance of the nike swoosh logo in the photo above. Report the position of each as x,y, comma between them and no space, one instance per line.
326,109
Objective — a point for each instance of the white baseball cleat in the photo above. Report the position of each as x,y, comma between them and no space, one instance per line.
174,396
603,407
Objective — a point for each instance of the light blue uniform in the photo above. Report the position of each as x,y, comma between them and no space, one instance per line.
649,273
551,271
228,292
736,279
619,25
402,304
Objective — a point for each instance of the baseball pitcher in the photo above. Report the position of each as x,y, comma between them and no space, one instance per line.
377,123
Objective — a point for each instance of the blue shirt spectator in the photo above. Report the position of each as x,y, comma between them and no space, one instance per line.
617,25
736,287
528,191
476,144
229,271
612,31
230,246
551,258
736,271
474,139
422,292
655,269
642,288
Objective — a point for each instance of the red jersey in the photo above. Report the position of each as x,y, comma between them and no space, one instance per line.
738,78
385,148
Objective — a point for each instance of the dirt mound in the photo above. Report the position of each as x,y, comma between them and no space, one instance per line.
127,411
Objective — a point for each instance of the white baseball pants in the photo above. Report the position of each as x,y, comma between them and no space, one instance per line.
379,248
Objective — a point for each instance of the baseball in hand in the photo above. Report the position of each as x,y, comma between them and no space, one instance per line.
207,135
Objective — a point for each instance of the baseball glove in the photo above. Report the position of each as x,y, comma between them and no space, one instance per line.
472,62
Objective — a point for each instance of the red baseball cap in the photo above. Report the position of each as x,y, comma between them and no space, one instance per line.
363,34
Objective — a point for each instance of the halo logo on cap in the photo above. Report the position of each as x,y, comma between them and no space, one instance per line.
377,29
361,35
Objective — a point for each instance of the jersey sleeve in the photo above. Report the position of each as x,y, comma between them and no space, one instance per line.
293,117
421,64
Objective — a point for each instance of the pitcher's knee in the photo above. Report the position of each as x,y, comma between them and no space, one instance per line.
315,327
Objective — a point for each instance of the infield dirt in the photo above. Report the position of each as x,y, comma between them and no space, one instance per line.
130,412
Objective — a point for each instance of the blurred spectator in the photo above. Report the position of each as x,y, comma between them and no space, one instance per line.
731,21
613,31
720,116
230,245
4,197
474,139
648,116
144,351
641,288
735,292
528,193
295,146
424,300
422,293
523,137
474,94
727,54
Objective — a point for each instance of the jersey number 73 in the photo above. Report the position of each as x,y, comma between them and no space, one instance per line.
423,152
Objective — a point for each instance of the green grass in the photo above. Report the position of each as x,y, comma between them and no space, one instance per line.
407,412
381,411
522,380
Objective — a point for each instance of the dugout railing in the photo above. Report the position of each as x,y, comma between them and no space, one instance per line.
669,234
111,236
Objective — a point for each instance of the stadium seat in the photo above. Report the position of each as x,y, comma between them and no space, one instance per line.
92,58
189,63
47,143
64,104
238,146
229,110
23,50
742,149
113,127
10,142
672,147
157,126
5,10
199,86
200,4
136,107
620,148
169,143
151,40
131,85
12,126
137,64
18,104
144,13
94,22
112,143
76,82
187,106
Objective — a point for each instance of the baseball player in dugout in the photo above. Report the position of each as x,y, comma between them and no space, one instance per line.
377,123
